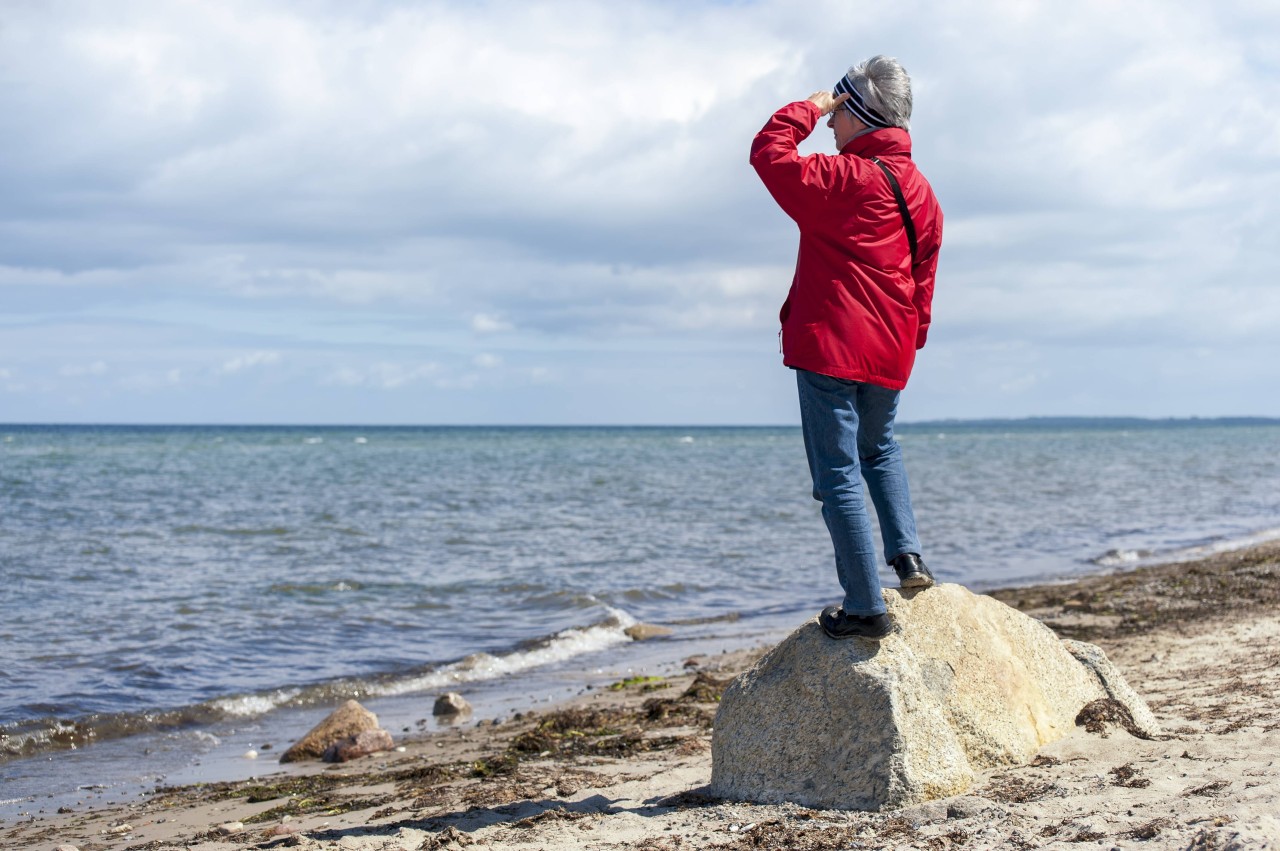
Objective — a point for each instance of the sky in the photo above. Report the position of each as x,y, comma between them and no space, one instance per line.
542,212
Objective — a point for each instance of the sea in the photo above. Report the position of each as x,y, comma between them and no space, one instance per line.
179,603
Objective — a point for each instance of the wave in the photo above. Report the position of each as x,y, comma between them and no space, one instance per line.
1204,549
29,738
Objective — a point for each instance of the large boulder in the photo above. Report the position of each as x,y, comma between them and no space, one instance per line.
348,720
965,683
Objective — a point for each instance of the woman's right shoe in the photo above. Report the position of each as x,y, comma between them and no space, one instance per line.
836,624
911,571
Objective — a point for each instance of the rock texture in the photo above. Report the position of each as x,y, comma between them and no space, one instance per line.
965,683
361,744
451,704
349,719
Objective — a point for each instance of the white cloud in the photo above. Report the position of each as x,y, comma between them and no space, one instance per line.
483,323
75,370
248,361
565,173
384,375
152,381
485,360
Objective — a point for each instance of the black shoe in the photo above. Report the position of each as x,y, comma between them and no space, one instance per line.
911,571
837,624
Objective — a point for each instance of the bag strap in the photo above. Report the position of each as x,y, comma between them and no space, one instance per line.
902,207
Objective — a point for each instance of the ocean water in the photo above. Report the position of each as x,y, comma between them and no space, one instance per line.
189,592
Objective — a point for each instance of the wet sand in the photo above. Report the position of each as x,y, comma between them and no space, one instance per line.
625,768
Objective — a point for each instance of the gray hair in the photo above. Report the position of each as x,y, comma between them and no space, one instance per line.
885,87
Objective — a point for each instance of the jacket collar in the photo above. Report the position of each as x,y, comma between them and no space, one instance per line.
878,143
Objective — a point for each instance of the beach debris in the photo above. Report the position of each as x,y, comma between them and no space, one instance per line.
964,684
1095,715
644,631
349,719
1140,720
230,828
119,829
448,838
641,680
283,830
1129,776
451,704
1257,832
361,744
66,848
250,754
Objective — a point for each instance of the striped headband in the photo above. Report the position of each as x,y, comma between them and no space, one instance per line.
858,106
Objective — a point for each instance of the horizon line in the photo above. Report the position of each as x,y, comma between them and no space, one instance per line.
1033,419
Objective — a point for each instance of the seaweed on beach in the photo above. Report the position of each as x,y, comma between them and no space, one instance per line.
1151,829
1011,789
1096,715
256,791
553,814
705,688
1129,776
605,731
1150,598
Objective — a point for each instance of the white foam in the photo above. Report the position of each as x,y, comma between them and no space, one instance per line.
251,705
482,666
313,440
1129,558
1115,558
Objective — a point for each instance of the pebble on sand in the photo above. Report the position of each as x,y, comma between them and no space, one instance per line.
230,827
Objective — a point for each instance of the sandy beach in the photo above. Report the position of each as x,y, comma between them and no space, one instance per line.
624,768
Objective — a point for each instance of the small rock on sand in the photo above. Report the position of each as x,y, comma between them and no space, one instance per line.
230,828
450,704
66,848
349,719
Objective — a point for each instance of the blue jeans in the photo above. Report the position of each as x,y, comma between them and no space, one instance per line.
848,436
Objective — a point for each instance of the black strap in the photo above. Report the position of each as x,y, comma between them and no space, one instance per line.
902,208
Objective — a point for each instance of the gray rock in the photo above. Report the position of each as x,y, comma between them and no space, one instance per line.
451,703
349,719
66,848
973,806
361,744
930,812
966,683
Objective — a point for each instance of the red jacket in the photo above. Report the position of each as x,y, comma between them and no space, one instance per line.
857,308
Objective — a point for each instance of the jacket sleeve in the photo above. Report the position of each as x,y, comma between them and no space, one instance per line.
797,183
924,273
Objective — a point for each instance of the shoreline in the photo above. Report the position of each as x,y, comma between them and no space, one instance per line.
622,768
